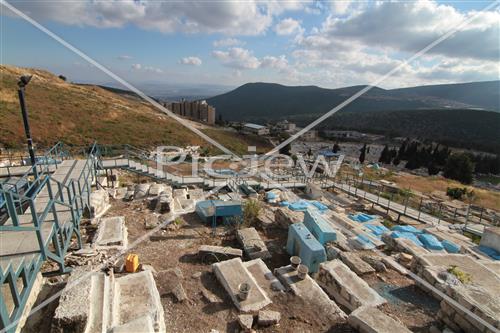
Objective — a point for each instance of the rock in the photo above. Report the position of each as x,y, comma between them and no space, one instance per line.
245,321
156,189
209,296
179,293
354,262
285,216
332,252
265,218
141,190
148,268
150,222
268,317
99,202
196,275
375,263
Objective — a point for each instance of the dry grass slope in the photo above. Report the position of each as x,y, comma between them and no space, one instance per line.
79,115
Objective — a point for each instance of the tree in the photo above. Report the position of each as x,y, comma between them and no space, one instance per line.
385,155
362,155
459,167
336,148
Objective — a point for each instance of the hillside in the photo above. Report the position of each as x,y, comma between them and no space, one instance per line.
277,101
80,114
459,128
445,112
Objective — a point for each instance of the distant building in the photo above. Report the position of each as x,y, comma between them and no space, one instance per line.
286,126
255,129
310,135
196,110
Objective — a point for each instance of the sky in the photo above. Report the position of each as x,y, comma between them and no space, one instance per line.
325,43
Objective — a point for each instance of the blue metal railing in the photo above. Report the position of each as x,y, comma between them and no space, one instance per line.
74,196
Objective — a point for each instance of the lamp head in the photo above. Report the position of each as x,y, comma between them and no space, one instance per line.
24,80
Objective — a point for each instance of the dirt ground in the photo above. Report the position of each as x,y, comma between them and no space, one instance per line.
179,250
174,258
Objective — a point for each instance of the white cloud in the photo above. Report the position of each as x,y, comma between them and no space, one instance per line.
228,42
193,61
410,26
226,17
288,26
275,62
140,67
237,58
124,57
340,6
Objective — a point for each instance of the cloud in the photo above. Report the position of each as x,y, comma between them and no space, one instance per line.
193,61
225,17
410,26
237,58
340,6
280,62
228,42
124,57
288,26
140,67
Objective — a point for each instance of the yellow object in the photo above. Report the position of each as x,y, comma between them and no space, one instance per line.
132,263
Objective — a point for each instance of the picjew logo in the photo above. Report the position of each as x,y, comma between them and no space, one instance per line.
252,165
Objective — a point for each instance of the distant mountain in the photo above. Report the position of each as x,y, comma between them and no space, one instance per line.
456,114
268,101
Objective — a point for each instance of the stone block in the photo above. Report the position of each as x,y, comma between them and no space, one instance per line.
347,288
253,246
354,262
368,319
268,318
231,274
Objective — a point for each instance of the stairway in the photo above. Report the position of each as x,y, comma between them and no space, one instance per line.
40,226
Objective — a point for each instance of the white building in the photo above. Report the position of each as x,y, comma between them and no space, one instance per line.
255,129
286,126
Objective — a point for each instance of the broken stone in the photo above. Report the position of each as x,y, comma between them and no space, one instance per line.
148,268
150,222
371,320
179,293
285,216
252,244
196,275
211,253
354,262
246,322
209,296
141,190
332,252
375,263
268,317
99,202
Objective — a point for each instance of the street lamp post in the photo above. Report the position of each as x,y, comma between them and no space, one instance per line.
23,82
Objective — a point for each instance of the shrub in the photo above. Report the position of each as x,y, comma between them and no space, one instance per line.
251,210
456,192
459,274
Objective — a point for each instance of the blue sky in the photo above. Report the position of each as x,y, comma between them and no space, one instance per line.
329,44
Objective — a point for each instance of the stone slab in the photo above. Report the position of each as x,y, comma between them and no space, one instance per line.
253,246
371,320
141,324
111,233
74,304
136,296
231,274
264,277
309,291
346,287
354,262
220,253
